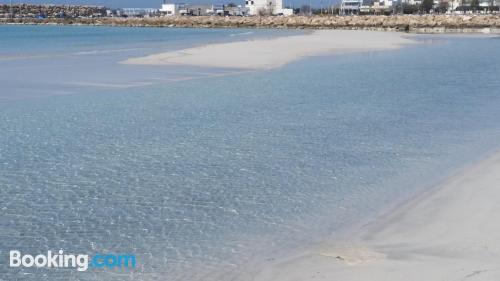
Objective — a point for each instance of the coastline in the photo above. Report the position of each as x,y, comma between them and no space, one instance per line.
407,23
446,233
262,54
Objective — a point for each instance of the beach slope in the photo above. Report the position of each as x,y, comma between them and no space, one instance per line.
451,233
276,52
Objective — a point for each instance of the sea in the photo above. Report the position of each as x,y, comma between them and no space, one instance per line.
205,173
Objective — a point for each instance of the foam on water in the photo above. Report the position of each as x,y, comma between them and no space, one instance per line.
204,177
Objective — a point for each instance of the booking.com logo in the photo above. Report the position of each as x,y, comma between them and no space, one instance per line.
79,262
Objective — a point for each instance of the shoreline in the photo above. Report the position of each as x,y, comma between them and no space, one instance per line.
419,30
446,233
485,23
263,54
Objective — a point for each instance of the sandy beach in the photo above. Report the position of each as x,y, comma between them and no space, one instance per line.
450,233
276,52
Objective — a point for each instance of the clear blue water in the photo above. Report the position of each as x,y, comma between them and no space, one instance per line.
203,173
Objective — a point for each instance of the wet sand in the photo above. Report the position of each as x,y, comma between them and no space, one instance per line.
450,233
276,52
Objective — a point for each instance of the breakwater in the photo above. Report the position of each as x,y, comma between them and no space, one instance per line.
411,23
21,12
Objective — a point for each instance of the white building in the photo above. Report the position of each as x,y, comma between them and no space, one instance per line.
267,7
286,12
235,11
350,7
458,6
170,9
139,12
414,2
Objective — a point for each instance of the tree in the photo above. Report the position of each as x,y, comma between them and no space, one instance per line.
231,5
305,10
335,9
492,5
427,5
474,5
443,7
410,9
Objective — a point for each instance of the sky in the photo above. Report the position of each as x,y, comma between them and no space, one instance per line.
155,3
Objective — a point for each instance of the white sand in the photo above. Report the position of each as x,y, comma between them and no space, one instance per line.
451,233
276,52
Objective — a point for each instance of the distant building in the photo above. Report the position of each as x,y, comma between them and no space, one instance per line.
350,7
285,12
252,7
414,2
355,7
459,6
261,7
203,10
485,4
177,9
171,9
267,7
138,12
235,11
379,7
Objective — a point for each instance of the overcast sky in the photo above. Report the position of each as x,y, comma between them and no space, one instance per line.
155,3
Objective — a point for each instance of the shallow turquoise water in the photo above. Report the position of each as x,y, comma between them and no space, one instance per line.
202,177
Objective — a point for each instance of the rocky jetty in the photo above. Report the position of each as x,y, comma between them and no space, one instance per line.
28,11
411,23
